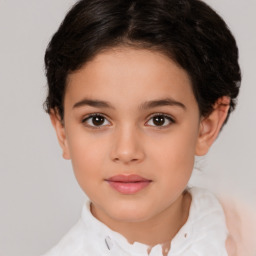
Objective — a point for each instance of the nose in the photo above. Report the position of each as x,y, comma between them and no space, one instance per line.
127,146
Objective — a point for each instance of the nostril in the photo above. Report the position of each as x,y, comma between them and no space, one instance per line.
117,159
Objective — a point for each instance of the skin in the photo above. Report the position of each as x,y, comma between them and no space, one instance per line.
130,142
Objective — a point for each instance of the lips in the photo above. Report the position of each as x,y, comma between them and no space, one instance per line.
128,184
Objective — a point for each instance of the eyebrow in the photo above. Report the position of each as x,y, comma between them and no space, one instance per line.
93,103
162,102
145,105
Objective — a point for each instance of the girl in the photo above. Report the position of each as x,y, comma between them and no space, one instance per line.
137,89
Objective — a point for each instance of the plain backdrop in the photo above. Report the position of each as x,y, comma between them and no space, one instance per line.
40,199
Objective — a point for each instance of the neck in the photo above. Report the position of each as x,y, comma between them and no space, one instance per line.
159,230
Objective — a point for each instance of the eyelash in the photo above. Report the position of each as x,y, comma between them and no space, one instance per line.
166,117
85,120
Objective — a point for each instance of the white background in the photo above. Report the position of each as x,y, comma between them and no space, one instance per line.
40,199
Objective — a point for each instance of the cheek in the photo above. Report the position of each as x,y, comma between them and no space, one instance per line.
88,156
175,153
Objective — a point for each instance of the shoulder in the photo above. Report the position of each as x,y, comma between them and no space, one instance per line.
205,231
241,223
237,218
87,237
70,244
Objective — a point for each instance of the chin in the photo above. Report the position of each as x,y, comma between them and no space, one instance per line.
129,213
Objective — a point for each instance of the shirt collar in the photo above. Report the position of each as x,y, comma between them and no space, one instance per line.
202,207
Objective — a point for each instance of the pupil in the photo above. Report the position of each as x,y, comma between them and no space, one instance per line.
159,120
98,120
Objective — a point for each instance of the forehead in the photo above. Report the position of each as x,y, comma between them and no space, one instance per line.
121,74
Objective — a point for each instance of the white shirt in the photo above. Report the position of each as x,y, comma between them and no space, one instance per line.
204,233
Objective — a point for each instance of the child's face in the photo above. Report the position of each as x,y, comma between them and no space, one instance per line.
130,112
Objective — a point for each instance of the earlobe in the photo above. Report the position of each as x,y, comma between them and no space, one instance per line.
211,125
58,125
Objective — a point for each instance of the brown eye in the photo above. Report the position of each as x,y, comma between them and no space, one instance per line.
96,121
160,120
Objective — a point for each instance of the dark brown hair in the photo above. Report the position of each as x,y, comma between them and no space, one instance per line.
188,31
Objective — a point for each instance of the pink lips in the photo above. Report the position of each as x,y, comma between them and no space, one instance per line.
128,184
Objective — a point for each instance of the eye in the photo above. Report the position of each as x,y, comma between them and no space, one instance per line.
160,120
95,121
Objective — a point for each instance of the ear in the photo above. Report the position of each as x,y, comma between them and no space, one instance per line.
211,125
60,132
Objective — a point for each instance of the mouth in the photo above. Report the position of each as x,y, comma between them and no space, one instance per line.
128,184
